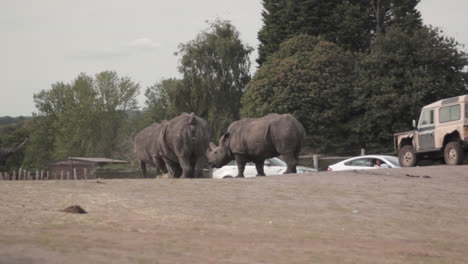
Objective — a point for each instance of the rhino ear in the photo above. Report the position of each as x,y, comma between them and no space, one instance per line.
212,146
225,137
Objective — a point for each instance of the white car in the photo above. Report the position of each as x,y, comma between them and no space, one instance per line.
273,166
366,162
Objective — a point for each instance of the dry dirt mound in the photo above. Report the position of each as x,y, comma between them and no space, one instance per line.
411,215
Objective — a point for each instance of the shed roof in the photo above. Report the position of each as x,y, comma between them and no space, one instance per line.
98,160
87,160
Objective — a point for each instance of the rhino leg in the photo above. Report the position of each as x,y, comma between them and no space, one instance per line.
142,166
240,166
259,167
291,162
187,168
199,167
160,165
173,168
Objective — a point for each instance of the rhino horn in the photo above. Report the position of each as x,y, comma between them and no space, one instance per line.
212,146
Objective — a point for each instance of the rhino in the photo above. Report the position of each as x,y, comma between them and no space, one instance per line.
257,139
182,143
146,151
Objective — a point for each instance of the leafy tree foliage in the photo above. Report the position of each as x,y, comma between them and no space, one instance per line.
215,68
82,118
351,24
403,72
310,79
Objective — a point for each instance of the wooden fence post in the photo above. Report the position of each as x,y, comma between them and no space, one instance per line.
7,176
74,174
316,165
29,175
14,176
37,175
68,175
363,151
48,174
85,172
61,175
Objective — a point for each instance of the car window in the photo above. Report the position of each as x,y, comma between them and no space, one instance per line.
393,160
466,111
427,118
449,113
363,162
276,162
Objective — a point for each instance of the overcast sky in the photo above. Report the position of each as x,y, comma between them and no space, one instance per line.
43,42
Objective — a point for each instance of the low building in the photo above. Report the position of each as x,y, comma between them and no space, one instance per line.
84,167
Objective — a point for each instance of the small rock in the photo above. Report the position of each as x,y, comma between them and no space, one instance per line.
355,211
74,209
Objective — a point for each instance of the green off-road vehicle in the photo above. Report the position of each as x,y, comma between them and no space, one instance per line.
442,130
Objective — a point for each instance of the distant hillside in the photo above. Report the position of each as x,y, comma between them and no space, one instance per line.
7,120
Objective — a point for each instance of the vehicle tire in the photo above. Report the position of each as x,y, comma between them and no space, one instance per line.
406,156
453,153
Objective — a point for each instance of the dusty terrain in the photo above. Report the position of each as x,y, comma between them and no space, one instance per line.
414,215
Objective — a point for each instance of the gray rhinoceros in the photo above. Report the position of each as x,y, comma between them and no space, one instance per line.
259,139
146,149
182,144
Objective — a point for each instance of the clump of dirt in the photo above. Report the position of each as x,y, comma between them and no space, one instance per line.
74,209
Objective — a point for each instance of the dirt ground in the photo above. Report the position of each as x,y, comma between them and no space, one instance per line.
411,215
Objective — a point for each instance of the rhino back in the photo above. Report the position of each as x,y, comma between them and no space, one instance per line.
184,135
146,142
267,136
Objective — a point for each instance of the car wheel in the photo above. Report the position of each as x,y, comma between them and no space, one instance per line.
453,153
406,156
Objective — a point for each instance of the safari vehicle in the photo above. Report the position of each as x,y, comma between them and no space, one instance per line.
442,130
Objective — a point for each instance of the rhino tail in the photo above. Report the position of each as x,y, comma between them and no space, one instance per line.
268,139
192,121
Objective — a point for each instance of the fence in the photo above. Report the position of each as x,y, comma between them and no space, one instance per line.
26,175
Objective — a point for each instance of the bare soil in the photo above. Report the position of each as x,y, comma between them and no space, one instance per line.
411,215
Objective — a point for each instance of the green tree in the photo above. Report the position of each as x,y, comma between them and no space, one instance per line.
351,24
312,80
165,99
81,118
216,69
403,72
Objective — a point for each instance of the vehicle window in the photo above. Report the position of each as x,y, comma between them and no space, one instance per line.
427,118
360,162
449,113
466,111
393,160
276,162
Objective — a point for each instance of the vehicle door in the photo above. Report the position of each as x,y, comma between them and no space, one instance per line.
426,127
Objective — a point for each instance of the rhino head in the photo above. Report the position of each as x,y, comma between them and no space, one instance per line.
219,156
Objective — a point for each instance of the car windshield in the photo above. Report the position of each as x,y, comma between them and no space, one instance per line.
393,160
276,162
269,162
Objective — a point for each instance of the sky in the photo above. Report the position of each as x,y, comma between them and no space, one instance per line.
49,41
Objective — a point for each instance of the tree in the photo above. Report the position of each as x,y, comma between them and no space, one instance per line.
166,99
312,80
82,118
403,72
350,24
215,68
